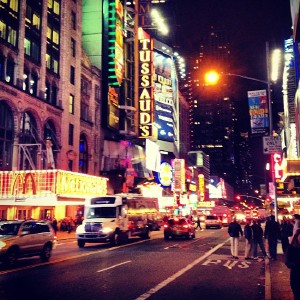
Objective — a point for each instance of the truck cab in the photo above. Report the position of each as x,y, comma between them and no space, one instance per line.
110,219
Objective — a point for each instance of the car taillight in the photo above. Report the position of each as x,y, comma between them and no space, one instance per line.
166,225
185,226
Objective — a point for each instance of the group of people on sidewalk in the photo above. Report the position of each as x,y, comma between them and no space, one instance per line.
287,232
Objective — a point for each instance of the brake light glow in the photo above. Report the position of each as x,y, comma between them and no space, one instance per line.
185,226
166,225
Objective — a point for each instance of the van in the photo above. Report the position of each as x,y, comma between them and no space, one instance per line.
213,221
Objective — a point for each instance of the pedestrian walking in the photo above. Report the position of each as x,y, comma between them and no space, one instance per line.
54,224
292,261
234,231
198,223
272,233
286,230
248,239
69,224
258,240
296,223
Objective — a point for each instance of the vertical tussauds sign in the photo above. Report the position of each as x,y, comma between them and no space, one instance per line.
145,84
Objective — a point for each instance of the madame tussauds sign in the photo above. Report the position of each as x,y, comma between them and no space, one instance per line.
146,98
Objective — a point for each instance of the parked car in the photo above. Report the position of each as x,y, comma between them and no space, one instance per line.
24,239
179,227
213,222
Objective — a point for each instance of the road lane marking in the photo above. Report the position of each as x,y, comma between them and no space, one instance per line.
164,283
59,260
173,246
117,265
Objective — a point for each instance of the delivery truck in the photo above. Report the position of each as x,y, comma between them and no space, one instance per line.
116,218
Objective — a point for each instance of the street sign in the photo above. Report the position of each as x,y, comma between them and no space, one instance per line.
271,144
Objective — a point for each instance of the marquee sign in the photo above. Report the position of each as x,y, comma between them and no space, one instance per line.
146,115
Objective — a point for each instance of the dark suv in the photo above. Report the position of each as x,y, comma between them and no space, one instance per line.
25,238
179,227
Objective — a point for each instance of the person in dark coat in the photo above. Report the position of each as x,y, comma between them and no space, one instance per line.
272,233
248,239
286,230
234,231
258,235
54,225
292,261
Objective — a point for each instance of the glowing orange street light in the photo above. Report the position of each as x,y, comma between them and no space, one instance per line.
211,77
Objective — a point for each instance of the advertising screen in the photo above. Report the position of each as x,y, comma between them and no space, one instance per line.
164,95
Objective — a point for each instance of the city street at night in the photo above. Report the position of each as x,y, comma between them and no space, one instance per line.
201,268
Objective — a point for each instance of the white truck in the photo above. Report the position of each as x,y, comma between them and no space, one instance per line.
114,218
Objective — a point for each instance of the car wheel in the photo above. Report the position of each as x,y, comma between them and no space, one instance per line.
46,253
80,244
166,237
11,257
115,239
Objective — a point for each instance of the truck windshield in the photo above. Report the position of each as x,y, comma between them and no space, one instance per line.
101,212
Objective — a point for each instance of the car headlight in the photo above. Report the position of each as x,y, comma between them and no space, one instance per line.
107,230
2,244
80,229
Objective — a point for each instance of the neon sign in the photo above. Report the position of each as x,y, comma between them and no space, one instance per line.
146,116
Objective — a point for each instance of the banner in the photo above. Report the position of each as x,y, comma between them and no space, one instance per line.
259,112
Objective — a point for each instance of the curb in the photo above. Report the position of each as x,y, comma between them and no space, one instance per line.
268,284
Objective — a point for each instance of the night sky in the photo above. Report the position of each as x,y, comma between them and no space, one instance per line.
249,24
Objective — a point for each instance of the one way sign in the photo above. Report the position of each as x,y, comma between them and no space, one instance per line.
271,144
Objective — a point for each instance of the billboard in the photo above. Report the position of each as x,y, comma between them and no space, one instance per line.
164,96
259,112
145,84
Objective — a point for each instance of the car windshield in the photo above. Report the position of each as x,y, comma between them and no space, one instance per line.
101,212
9,228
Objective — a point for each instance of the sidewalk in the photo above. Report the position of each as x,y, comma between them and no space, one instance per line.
277,275
277,278
64,235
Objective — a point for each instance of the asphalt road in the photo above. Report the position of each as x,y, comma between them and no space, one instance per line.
201,268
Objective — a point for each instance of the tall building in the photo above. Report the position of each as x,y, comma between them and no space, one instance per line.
213,113
50,110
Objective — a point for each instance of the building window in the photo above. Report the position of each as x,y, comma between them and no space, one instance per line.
73,20
71,104
47,91
28,135
71,134
8,33
2,62
6,136
70,165
85,86
97,94
84,111
54,7
10,71
72,75
83,154
33,84
54,95
26,76
73,47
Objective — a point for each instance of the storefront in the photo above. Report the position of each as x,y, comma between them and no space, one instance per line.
43,194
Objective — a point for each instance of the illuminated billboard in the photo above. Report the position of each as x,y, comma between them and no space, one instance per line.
164,96
259,112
